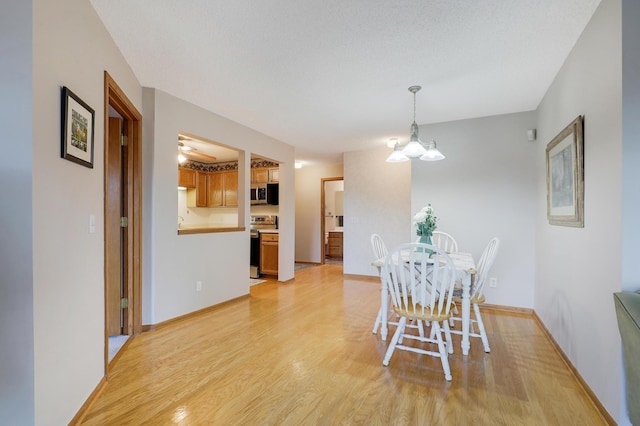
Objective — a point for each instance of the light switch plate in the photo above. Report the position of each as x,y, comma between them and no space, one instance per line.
92,224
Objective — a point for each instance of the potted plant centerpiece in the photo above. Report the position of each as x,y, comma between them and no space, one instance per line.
425,222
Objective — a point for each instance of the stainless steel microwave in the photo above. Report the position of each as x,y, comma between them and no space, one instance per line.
259,193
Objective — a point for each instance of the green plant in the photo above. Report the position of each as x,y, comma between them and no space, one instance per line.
425,221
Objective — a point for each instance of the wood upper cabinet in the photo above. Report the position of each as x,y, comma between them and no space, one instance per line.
186,178
269,254
230,188
223,189
274,175
216,190
265,175
259,175
199,197
202,196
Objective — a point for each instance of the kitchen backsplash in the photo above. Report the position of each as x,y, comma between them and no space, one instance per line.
215,216
264,209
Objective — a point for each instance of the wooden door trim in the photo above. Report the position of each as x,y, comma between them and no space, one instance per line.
115,97
322,227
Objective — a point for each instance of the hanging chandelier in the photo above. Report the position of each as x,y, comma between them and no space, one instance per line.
415,148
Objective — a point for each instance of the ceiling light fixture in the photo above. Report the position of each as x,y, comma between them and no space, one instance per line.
397,156
432,153
415,148
297,165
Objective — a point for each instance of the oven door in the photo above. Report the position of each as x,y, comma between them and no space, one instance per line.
255,254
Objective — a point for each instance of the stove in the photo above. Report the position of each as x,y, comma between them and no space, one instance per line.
259,222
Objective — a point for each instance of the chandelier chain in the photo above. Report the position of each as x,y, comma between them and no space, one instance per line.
414,107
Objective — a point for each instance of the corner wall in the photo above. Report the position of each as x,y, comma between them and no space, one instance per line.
71,48
377,199
630,144
630,152
16,209
485,188
578,269
219,260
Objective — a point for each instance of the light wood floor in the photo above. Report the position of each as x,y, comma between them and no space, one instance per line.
302,353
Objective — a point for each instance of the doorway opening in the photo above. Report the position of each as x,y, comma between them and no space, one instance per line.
332,220
122,217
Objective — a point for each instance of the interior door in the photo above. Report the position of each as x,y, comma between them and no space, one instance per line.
123,198
114,241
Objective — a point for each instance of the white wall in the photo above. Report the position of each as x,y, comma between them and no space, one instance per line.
219,260
485,188
630,158
308,215
70,48
578,269
16,279
377,199
630,144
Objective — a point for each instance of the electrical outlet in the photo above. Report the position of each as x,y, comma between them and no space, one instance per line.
493,282
198,285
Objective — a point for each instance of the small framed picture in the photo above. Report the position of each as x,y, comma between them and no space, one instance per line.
565,176
77,129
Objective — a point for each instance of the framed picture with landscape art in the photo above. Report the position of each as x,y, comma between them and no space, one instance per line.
77,129
565,176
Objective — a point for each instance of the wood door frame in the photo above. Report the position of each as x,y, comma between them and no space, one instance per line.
322,227
115,98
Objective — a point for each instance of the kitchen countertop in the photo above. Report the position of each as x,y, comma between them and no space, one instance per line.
202,225
269,231
207,228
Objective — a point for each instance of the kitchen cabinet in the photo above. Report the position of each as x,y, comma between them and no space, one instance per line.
199,197
265,175
269,253
186,178
223,189
274,175
259,175
230,188
335,244
216,191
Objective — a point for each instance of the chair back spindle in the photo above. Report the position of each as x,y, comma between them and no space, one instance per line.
444,241
483,267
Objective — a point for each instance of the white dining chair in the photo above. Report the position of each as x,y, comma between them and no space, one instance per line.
444,241
424,294
379,252
477,293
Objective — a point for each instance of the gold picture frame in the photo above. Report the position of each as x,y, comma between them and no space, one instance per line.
565,176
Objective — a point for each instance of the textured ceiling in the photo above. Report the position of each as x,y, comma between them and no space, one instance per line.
332,76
